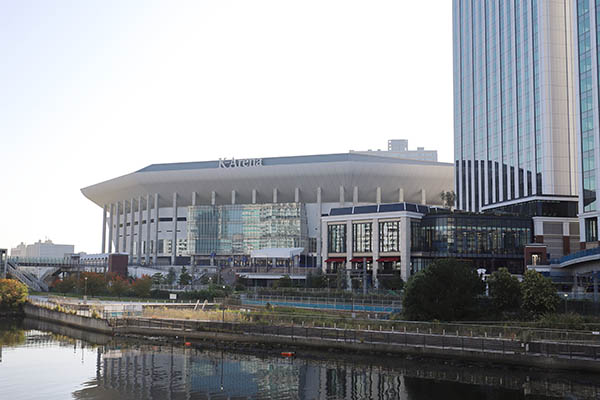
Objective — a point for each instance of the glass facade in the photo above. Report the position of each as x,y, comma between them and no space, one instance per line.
500,86
591,229
239,229
336,238
361,237
586,105
538,208
389,236
456,235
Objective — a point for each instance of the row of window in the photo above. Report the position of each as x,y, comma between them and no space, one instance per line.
362,237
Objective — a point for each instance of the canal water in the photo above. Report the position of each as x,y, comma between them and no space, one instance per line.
39,360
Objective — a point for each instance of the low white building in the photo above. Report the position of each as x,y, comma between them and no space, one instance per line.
45,249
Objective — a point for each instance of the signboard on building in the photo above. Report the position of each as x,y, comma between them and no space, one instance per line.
241,163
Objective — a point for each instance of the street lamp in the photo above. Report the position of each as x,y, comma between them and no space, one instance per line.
85,290
566,296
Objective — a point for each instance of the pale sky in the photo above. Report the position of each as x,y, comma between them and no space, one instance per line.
91,90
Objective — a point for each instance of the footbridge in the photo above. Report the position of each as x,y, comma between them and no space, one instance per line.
37,273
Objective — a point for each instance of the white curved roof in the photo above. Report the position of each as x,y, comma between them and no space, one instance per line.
307,173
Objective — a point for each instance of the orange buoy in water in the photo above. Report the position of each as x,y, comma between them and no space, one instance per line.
288,354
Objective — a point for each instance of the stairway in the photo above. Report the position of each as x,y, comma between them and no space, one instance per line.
26,278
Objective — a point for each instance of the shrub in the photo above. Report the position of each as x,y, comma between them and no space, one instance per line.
12,293
561,321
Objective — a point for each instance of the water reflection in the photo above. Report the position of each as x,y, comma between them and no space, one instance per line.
125,370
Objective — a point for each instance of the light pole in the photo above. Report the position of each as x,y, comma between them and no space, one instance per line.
566,296
85,290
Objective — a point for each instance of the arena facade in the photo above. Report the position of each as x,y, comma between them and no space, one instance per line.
220,211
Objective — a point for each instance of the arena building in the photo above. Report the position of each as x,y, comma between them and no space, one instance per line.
219,212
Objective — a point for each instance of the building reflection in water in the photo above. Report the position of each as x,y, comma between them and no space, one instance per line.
160,372
126,370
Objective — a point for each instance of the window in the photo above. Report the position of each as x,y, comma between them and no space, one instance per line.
591,229
389,236
361,237
336,238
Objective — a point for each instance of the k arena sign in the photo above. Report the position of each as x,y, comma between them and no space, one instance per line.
242,163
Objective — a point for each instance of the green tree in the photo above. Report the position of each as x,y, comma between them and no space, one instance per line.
96,284
504,290
171,276
142,286
448,198
157,278
446,290
118,286
538,294
12,293
66,285
184,278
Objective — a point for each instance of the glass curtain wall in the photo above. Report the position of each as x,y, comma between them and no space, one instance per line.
336,238
361,237
239,229
471,235
389,236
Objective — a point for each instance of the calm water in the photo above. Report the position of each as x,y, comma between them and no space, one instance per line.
44,361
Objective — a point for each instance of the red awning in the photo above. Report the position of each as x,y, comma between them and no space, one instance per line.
360,259
388,259
336,259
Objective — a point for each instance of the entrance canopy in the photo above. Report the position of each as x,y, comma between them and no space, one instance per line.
277,252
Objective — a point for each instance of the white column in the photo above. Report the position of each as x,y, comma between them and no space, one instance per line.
253,196
117,228
297,195
321,254
213,198
375,251
423,196
355,196
174,243
274,195
139,238
103,229
401,195
124,248
323,239
194,198
111,227
233,197
378,199
131,230
342,199
405,248
148,225
156,222
348,254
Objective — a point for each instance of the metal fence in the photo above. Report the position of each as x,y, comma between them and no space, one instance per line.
325,303
375,334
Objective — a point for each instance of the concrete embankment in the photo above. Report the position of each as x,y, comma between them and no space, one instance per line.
556,355
68,319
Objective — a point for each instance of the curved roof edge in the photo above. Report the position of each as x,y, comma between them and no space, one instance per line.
289,160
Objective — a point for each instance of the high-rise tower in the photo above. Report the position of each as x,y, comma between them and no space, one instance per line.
587,85
514,97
